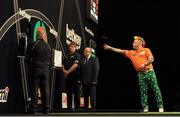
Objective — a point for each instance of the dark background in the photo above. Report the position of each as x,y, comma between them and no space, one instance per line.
158,23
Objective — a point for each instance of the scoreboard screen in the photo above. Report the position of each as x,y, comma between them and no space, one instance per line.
92,10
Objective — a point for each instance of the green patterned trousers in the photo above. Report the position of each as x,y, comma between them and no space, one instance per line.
146,78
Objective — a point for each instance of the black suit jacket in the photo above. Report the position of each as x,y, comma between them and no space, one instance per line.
89,70
39,54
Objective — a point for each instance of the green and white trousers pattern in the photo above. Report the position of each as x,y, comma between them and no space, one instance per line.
144,79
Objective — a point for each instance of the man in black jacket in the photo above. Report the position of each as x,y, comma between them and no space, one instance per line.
39,54
89,70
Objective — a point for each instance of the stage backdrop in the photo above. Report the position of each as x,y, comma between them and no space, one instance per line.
64,21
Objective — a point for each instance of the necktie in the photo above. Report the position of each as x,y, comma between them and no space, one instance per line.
85,61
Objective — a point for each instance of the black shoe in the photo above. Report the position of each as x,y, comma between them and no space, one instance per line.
46,112
32,112
93,109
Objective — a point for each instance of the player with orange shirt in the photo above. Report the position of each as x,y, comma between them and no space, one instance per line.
142,59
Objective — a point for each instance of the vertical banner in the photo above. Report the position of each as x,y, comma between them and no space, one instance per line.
64,100
81,102
89,102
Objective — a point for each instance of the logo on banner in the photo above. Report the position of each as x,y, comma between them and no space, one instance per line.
4,95
89,31
94,9
72,37
24,14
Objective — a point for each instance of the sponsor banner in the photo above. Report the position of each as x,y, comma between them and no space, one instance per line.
4,94
89,102
81,101
64,100
72,36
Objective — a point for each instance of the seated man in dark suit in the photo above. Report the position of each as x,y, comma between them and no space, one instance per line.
89,69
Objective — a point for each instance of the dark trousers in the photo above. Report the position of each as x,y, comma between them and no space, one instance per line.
73,90
89,91
39,79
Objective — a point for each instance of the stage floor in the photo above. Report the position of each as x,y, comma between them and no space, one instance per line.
104,112
110,114
116,114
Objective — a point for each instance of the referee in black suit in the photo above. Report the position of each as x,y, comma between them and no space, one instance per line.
89,69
